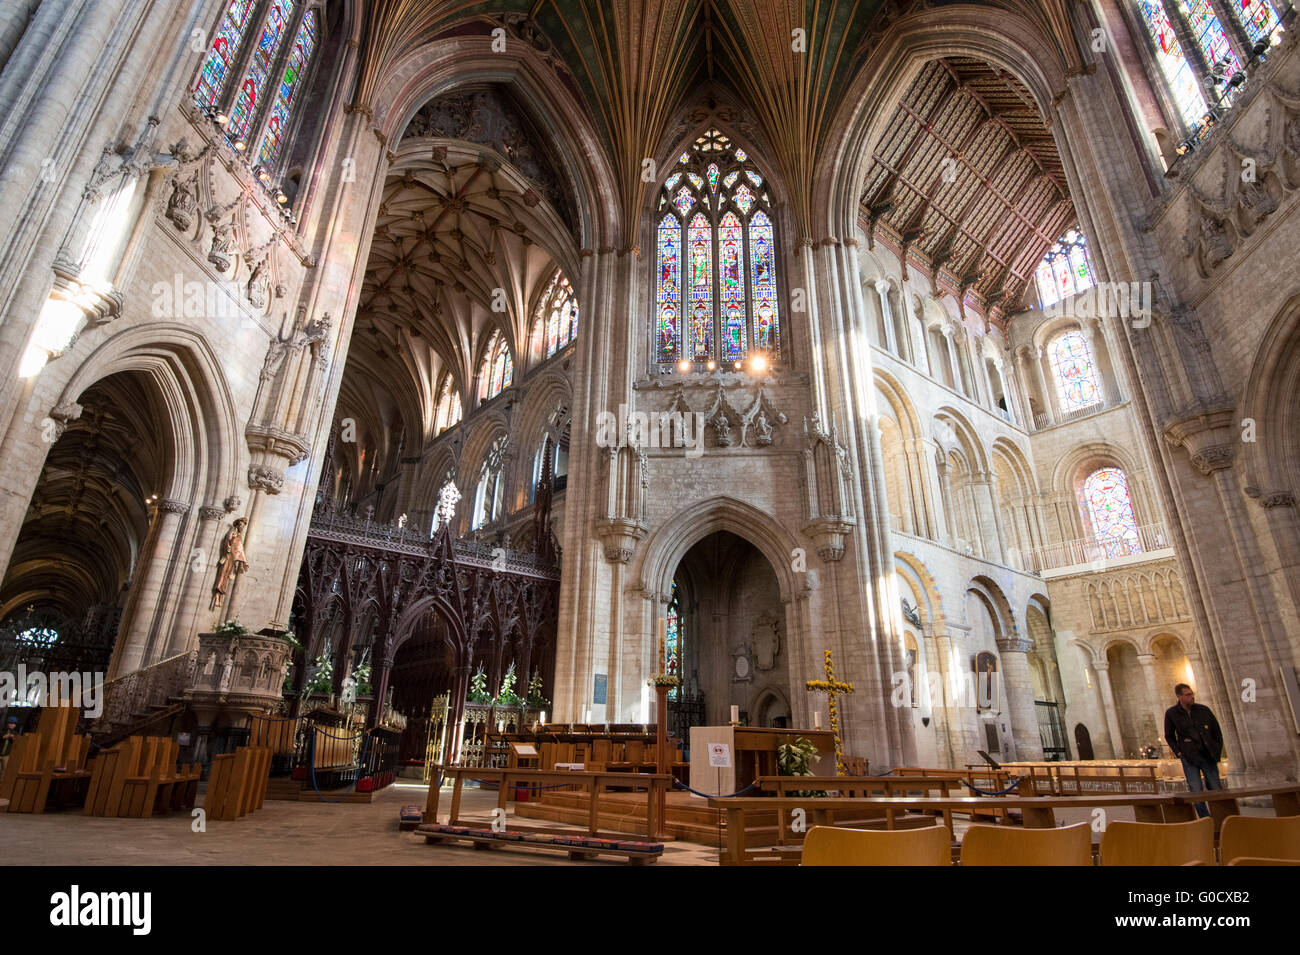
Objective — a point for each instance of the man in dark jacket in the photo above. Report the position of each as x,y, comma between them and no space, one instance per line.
1193,734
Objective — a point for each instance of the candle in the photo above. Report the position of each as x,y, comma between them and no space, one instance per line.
735,713
817,720
543,717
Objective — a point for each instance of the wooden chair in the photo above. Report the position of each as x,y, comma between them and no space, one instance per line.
1010,845
1260,837
830,846
1156,843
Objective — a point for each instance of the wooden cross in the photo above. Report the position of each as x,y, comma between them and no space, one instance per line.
832,687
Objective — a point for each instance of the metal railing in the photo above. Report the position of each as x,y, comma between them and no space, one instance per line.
1089,550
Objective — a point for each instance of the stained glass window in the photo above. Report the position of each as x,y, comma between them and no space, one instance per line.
767,332
216,68
557,318
1066,270
1109,509
498,369
726,286
1209,34
1173,63
299,57
254,85
448,411
1076,374
700,239
668,291
675,638
1259,18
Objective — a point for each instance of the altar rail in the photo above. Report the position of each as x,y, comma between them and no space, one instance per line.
508,781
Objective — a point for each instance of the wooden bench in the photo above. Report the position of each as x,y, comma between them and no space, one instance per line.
578,847
47,765
1222,803
237,782
139,778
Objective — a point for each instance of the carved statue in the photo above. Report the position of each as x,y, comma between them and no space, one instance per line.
183,202
223,240
1215,241
722,428
762,429
1256,201
232,562
259,284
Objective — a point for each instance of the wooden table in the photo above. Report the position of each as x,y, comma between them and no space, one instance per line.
506,779
1222,803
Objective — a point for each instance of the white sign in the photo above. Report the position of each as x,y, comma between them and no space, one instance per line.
720,755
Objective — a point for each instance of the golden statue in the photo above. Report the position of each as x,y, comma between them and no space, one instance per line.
232,561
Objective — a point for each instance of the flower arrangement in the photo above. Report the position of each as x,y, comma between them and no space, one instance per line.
795,759
478,691
231,628
508,696
535,697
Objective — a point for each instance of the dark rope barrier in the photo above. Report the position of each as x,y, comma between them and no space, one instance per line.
1015,784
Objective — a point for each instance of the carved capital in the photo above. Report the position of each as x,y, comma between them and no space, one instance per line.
210,513
263,477
1278,499
829,534
1014,643
1213,458
174,507
232,503
620,536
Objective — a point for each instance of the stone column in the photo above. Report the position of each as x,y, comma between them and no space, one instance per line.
954,367
182,636
1020,696
1110,391
1027,385
1153,707
886,316
1048,398
146,592
1108,705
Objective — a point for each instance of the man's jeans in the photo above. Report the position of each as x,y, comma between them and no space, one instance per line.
1193,770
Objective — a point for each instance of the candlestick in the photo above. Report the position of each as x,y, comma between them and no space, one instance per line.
735,714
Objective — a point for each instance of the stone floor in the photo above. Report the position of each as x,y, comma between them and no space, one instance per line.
281,833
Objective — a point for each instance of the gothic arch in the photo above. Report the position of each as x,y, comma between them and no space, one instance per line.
1272,461
1007,39
201,416
667,546
436,68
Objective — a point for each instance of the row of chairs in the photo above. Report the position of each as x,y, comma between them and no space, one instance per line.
1243,840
